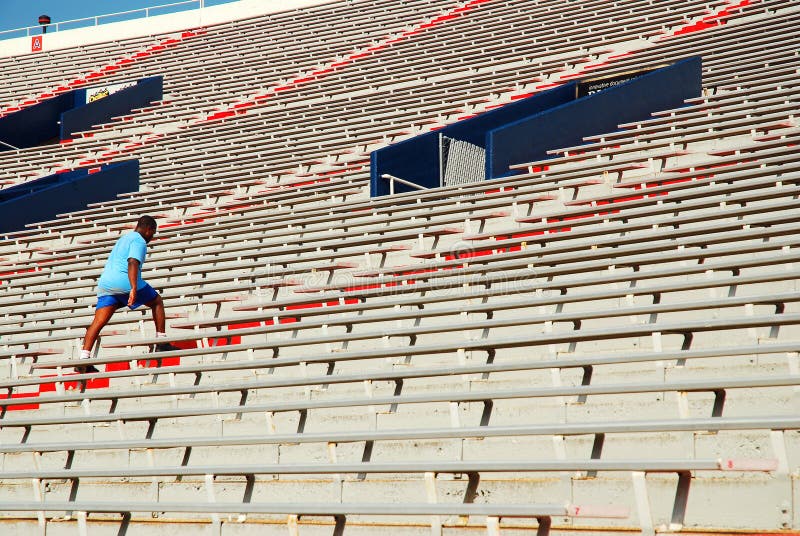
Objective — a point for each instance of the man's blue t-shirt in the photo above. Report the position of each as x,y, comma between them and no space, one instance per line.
114,279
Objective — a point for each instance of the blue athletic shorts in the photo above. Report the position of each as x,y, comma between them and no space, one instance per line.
144,295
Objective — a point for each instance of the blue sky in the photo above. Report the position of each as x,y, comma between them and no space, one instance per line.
19,13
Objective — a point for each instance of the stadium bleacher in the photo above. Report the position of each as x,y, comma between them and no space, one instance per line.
605,342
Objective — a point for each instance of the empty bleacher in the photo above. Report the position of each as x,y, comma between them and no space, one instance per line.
606,341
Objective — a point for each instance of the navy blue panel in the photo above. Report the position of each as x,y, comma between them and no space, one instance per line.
80,97
39,123
45,198
35,124
474,129
122,102
529,139
588,86
415,160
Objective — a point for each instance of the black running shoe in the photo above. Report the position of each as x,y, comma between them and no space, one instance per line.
86,369
165,347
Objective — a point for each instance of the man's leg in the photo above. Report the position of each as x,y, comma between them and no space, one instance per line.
159,316
159,319
101,318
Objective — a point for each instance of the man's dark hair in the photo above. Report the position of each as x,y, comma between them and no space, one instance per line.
146,222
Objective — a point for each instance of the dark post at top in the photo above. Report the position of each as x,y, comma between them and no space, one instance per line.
44,20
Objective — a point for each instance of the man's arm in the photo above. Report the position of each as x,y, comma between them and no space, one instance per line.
133,277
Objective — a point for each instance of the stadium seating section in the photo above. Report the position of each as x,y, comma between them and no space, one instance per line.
607,341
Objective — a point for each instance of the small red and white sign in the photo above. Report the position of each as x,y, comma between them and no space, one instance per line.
36,43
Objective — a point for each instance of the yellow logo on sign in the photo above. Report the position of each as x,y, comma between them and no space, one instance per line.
102,93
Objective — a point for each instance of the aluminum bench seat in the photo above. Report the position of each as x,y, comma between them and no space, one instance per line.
312,215
442,264
253,275
244,246
690,124
516,272
683,331
76,317
23,304
762,155
706,112
548,254
752,169
759,144
693,210
339,511
670,140
505,260
490,398
169,231
492,307
723,99
430,470
633,211
78,229
467,251
608,154
26,295
633,289
689,135
336,249
436,467
564,362
722,41
764,79
702,424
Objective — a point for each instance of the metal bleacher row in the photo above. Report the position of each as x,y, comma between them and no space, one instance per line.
606,341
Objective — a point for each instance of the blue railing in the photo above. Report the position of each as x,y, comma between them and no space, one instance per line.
144,12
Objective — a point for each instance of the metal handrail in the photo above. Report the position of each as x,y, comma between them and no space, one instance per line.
56,26
392,179
9,145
